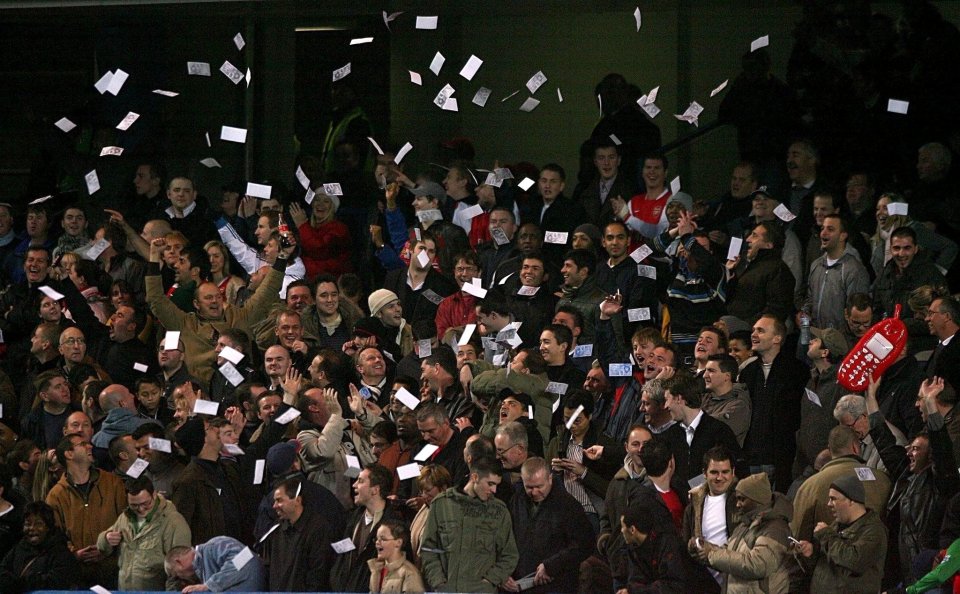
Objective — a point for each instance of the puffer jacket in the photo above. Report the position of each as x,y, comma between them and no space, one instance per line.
850,560
829,287
753,558
468,544
142,552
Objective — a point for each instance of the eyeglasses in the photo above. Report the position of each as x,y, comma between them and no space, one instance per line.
854,422
500,452
74,341
138,506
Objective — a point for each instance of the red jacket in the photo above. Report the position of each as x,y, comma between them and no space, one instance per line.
325,248
458,309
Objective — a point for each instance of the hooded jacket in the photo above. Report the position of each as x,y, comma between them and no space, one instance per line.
468,544
142,551
754,556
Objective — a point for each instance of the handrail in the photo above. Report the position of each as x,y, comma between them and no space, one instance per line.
701,131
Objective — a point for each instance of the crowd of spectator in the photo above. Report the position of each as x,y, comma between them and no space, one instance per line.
454,382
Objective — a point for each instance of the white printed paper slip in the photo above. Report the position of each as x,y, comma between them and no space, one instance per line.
92,181
111,151
116,82
468,330
573,417
675,185
469,69
99,590
166,93
783,213
526,183
424,348
530,104
231,72
620,370
527,291
408,471
637,18
376,147
402,152
556,237
259,190
813,397
428,23
198,68
97,248
556,405
233,448
583,350
437,63
51,293
305,181
242,558
205,407
65,124
423,258
415,78
171,340
897,209
101,85
361,40
557,388
288,416
160,445
353,466
509,96
898,106
559,96
343,546
341,72
865,473
210,162
472,211
269,532
759,42
721,87
615,140
647,271
471,289
231,354
258,470
427,451
407,399
641,253
736,243
229,371
481,96
140,367
238,41
137,468
536,81
231,134
332,189
638,314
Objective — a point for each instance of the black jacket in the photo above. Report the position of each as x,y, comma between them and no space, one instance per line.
350,572
556,534
420,304
661,565
710,432
762,286
51,566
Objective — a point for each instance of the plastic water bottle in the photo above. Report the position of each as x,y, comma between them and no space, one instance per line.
804,328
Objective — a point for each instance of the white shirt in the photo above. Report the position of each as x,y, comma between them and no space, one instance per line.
714,520
692,428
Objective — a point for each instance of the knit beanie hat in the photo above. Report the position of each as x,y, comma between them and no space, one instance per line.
380,299
851,487
591,231
756,487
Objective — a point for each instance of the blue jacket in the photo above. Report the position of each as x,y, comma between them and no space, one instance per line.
119,421
214,566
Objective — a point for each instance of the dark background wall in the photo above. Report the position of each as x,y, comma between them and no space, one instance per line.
51,53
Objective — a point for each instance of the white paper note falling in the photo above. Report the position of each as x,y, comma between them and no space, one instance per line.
469,69
426,22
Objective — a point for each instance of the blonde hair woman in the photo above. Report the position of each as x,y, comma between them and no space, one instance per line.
432,481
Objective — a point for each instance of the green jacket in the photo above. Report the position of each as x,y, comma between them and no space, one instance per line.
850,561
489,383
468,544
142,553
